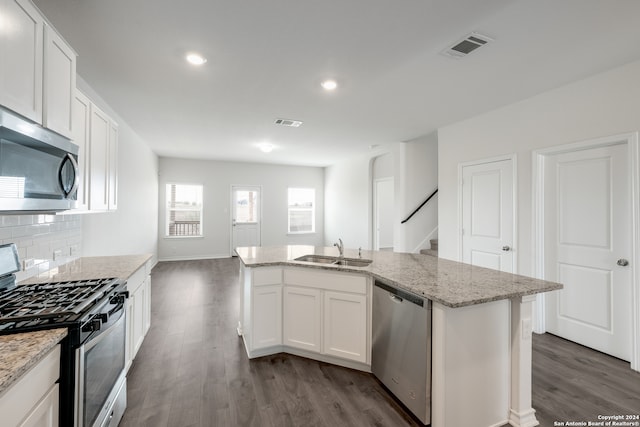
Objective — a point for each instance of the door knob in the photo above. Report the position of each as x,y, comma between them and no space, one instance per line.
506,248
623,262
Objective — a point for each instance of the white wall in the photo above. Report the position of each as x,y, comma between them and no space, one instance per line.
132,229
602,105
416,177
383,166
217,178
349,195
348,198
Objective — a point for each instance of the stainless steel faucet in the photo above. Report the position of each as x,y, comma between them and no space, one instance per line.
340,247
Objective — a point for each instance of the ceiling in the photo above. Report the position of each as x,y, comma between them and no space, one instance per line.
266,60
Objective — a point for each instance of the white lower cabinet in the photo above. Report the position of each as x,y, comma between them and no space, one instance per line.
34,399
267,316
302,318
345,325
138,311
307,311
46,413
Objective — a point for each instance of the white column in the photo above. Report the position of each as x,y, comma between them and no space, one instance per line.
521,414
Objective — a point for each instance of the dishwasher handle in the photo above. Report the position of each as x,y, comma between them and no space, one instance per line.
399,296
395,298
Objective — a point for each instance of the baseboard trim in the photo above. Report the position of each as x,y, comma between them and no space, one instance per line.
268,351
192,258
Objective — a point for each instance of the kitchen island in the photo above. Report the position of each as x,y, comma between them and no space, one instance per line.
481,323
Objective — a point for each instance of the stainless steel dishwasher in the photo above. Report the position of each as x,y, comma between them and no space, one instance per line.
401,355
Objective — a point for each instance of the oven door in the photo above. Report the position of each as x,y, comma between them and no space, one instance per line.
100,376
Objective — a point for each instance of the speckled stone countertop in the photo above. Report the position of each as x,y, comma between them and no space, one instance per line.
87,268
450,283
20,352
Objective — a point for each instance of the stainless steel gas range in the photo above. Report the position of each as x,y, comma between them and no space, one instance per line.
92,371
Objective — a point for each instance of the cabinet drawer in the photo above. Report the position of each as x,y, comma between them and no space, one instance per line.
326,280
267,276
136,280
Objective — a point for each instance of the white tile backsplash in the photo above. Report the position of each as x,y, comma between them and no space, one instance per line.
39,236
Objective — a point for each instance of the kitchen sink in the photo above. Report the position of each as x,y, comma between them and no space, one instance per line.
332,260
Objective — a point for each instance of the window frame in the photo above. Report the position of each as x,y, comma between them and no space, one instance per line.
312,209
167,211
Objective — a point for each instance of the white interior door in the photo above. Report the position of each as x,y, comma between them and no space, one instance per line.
383,211
587,236
245,216
487,215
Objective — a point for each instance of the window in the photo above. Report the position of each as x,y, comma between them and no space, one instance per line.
184,210
302,214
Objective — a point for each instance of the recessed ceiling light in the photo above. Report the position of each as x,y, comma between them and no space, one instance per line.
329,85
265,147
196,59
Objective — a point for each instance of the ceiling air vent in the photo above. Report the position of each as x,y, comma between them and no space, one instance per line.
289,123
467,45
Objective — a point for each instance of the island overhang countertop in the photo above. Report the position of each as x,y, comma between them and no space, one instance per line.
450,283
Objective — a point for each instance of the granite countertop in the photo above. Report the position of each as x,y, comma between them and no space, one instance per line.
450,283
20,352
87,268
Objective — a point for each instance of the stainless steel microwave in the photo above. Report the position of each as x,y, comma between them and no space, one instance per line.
38,167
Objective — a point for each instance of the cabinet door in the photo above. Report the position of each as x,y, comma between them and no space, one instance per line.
302,317
345,326
128,345
22,404
137,319
112,171
46,413
21,63
267,316
99,160
59,83
147,305
81,135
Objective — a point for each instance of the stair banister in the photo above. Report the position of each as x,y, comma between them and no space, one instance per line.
420,207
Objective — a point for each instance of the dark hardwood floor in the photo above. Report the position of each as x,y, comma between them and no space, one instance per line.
192,370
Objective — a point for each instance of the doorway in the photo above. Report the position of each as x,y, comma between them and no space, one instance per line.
585,206
246,213
488,213
383,202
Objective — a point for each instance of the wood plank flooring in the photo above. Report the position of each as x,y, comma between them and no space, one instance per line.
192,370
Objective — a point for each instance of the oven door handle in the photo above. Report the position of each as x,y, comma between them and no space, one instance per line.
95,339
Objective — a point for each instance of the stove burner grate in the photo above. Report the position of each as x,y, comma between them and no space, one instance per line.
50,302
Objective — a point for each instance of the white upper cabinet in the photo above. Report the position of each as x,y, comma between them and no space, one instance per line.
37,69
112,171
59,83
99,160
21,44
81,137
96,134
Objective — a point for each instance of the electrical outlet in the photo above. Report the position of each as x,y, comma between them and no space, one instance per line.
57,254
27,263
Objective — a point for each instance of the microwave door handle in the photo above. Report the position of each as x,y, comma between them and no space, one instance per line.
76,178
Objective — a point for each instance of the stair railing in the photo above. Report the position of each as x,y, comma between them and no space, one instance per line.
420,207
